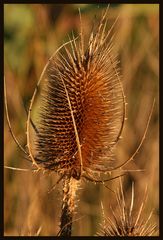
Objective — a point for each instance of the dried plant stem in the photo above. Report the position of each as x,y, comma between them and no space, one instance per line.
70,186
8,121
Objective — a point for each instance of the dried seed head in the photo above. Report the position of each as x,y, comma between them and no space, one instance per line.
82,109
124,221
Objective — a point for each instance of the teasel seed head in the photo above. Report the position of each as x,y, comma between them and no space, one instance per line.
127,221
82,112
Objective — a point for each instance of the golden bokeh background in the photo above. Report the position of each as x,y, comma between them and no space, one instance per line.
32,32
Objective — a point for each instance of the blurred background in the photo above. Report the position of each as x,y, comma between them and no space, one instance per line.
32,32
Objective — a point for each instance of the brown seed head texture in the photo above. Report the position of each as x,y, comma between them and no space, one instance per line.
82,106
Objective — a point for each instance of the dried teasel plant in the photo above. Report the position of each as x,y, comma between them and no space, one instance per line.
126,219
82,115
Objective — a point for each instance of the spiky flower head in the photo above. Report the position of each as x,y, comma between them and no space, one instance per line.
82,110
127,221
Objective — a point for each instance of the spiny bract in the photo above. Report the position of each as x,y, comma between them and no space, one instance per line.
127,221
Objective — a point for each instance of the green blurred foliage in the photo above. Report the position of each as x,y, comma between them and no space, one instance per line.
32,32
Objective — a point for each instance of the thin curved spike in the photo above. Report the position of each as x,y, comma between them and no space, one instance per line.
32,123
102,27
72,48
61,61
32,101
75,220
54,186
132,200
111,28
8,121
123,201
114,224
20,169
76,48
102,181
124,102
139,146
146,222
109,189
133,170
26,158
142,140
81,36
71,59
141,208
103,213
